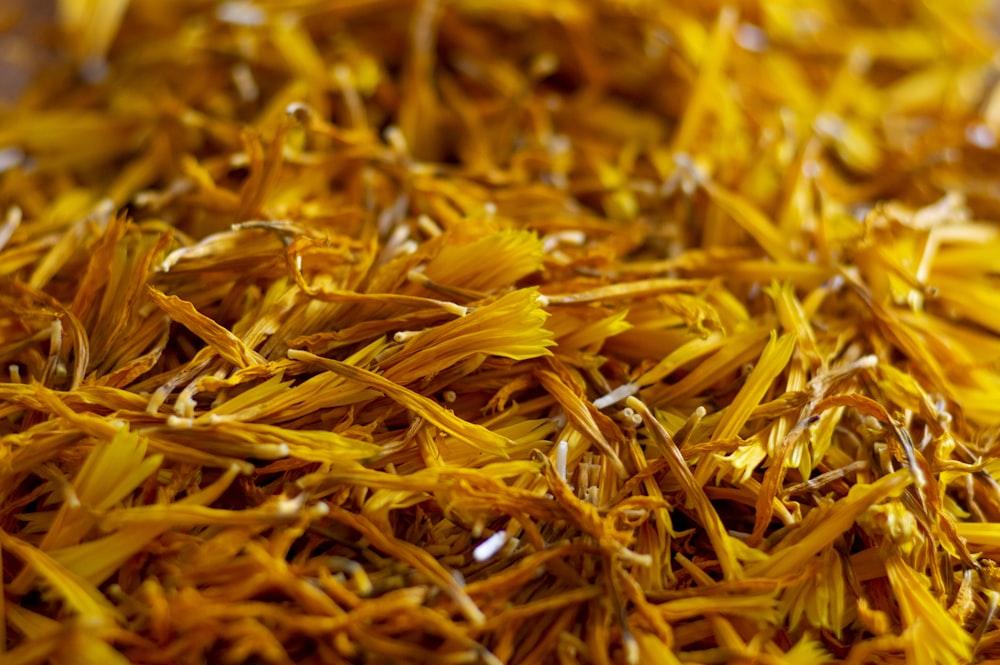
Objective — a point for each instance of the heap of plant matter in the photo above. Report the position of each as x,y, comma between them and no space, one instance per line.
585,332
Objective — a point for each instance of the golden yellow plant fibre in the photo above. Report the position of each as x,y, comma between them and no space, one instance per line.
454,331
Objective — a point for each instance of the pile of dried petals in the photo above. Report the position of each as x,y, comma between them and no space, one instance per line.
417,331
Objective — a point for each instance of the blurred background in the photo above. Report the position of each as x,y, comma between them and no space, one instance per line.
22,27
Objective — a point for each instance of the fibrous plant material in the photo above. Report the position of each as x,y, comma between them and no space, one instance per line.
451,331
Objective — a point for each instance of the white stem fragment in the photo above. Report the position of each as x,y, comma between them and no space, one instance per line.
245,14
246,85
12,220
562,451
300,111
618,394
293,506
487,549
866,362
180,422
11,157
406,335
71,498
